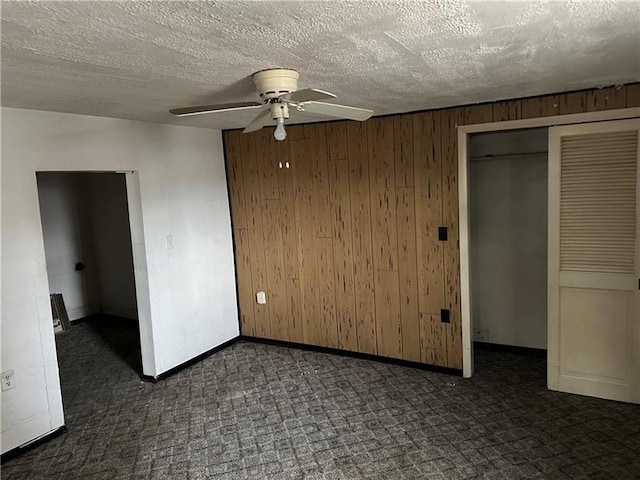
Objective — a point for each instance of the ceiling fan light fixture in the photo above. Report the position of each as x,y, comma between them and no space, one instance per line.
279,113
280,133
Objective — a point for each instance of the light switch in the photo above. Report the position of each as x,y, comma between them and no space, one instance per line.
261,297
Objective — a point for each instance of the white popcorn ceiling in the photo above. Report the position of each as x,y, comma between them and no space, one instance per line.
136,60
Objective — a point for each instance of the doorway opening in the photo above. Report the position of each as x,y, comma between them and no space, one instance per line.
508,241
89,260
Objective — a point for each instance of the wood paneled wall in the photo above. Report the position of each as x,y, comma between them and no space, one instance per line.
345,241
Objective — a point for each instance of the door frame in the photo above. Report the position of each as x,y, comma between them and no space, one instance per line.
138,250
463,204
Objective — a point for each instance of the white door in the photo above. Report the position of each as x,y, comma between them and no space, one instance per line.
594,260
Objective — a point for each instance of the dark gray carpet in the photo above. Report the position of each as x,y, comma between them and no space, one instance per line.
257,411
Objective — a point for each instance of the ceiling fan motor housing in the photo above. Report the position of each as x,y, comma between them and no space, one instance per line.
274,82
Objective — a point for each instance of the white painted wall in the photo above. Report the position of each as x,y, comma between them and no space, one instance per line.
68,239
508,237
109,218
178,189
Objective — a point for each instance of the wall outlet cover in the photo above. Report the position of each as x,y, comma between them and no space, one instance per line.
8,380
261,297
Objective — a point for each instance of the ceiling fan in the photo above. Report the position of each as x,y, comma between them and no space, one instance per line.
278,90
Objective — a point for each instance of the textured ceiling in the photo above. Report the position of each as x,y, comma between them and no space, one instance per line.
137,60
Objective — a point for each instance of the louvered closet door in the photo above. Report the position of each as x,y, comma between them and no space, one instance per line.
594,301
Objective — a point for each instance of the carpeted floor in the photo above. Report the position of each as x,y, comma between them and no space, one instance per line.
256,411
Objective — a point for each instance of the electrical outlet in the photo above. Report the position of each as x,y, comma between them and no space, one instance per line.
169,241
481,334
261,297
8,380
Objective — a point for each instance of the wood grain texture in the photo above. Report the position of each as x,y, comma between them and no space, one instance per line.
449,121
632,95
267,162
428,207
403,149
482,113
326,293
361,224
235,179
337,140
242,252
286,176
275,271
506,110
433,344
255,233
605,99
295,313
343,254
535,107
289,236
388,325
345,240
574,102
318,160
408,273
382,189
308,274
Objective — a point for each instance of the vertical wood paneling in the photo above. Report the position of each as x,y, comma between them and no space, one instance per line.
383,199
300,151
337,140
267,161
605,99
327,293
478,114
507,110
449,121
307,269
408,273
295,314
361,224
289,236
343,254
345,241
242,252
255,234
534,107
575,102
235,179
428,207
274,261
318,159
433,344
286,180
403,149
388,326
632,95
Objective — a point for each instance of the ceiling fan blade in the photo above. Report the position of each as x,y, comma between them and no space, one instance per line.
339,111
262,119
307,95
224,107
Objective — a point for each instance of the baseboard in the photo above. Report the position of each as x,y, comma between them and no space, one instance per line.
498,347
188,363
81,312
363,356
14,452
114,311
